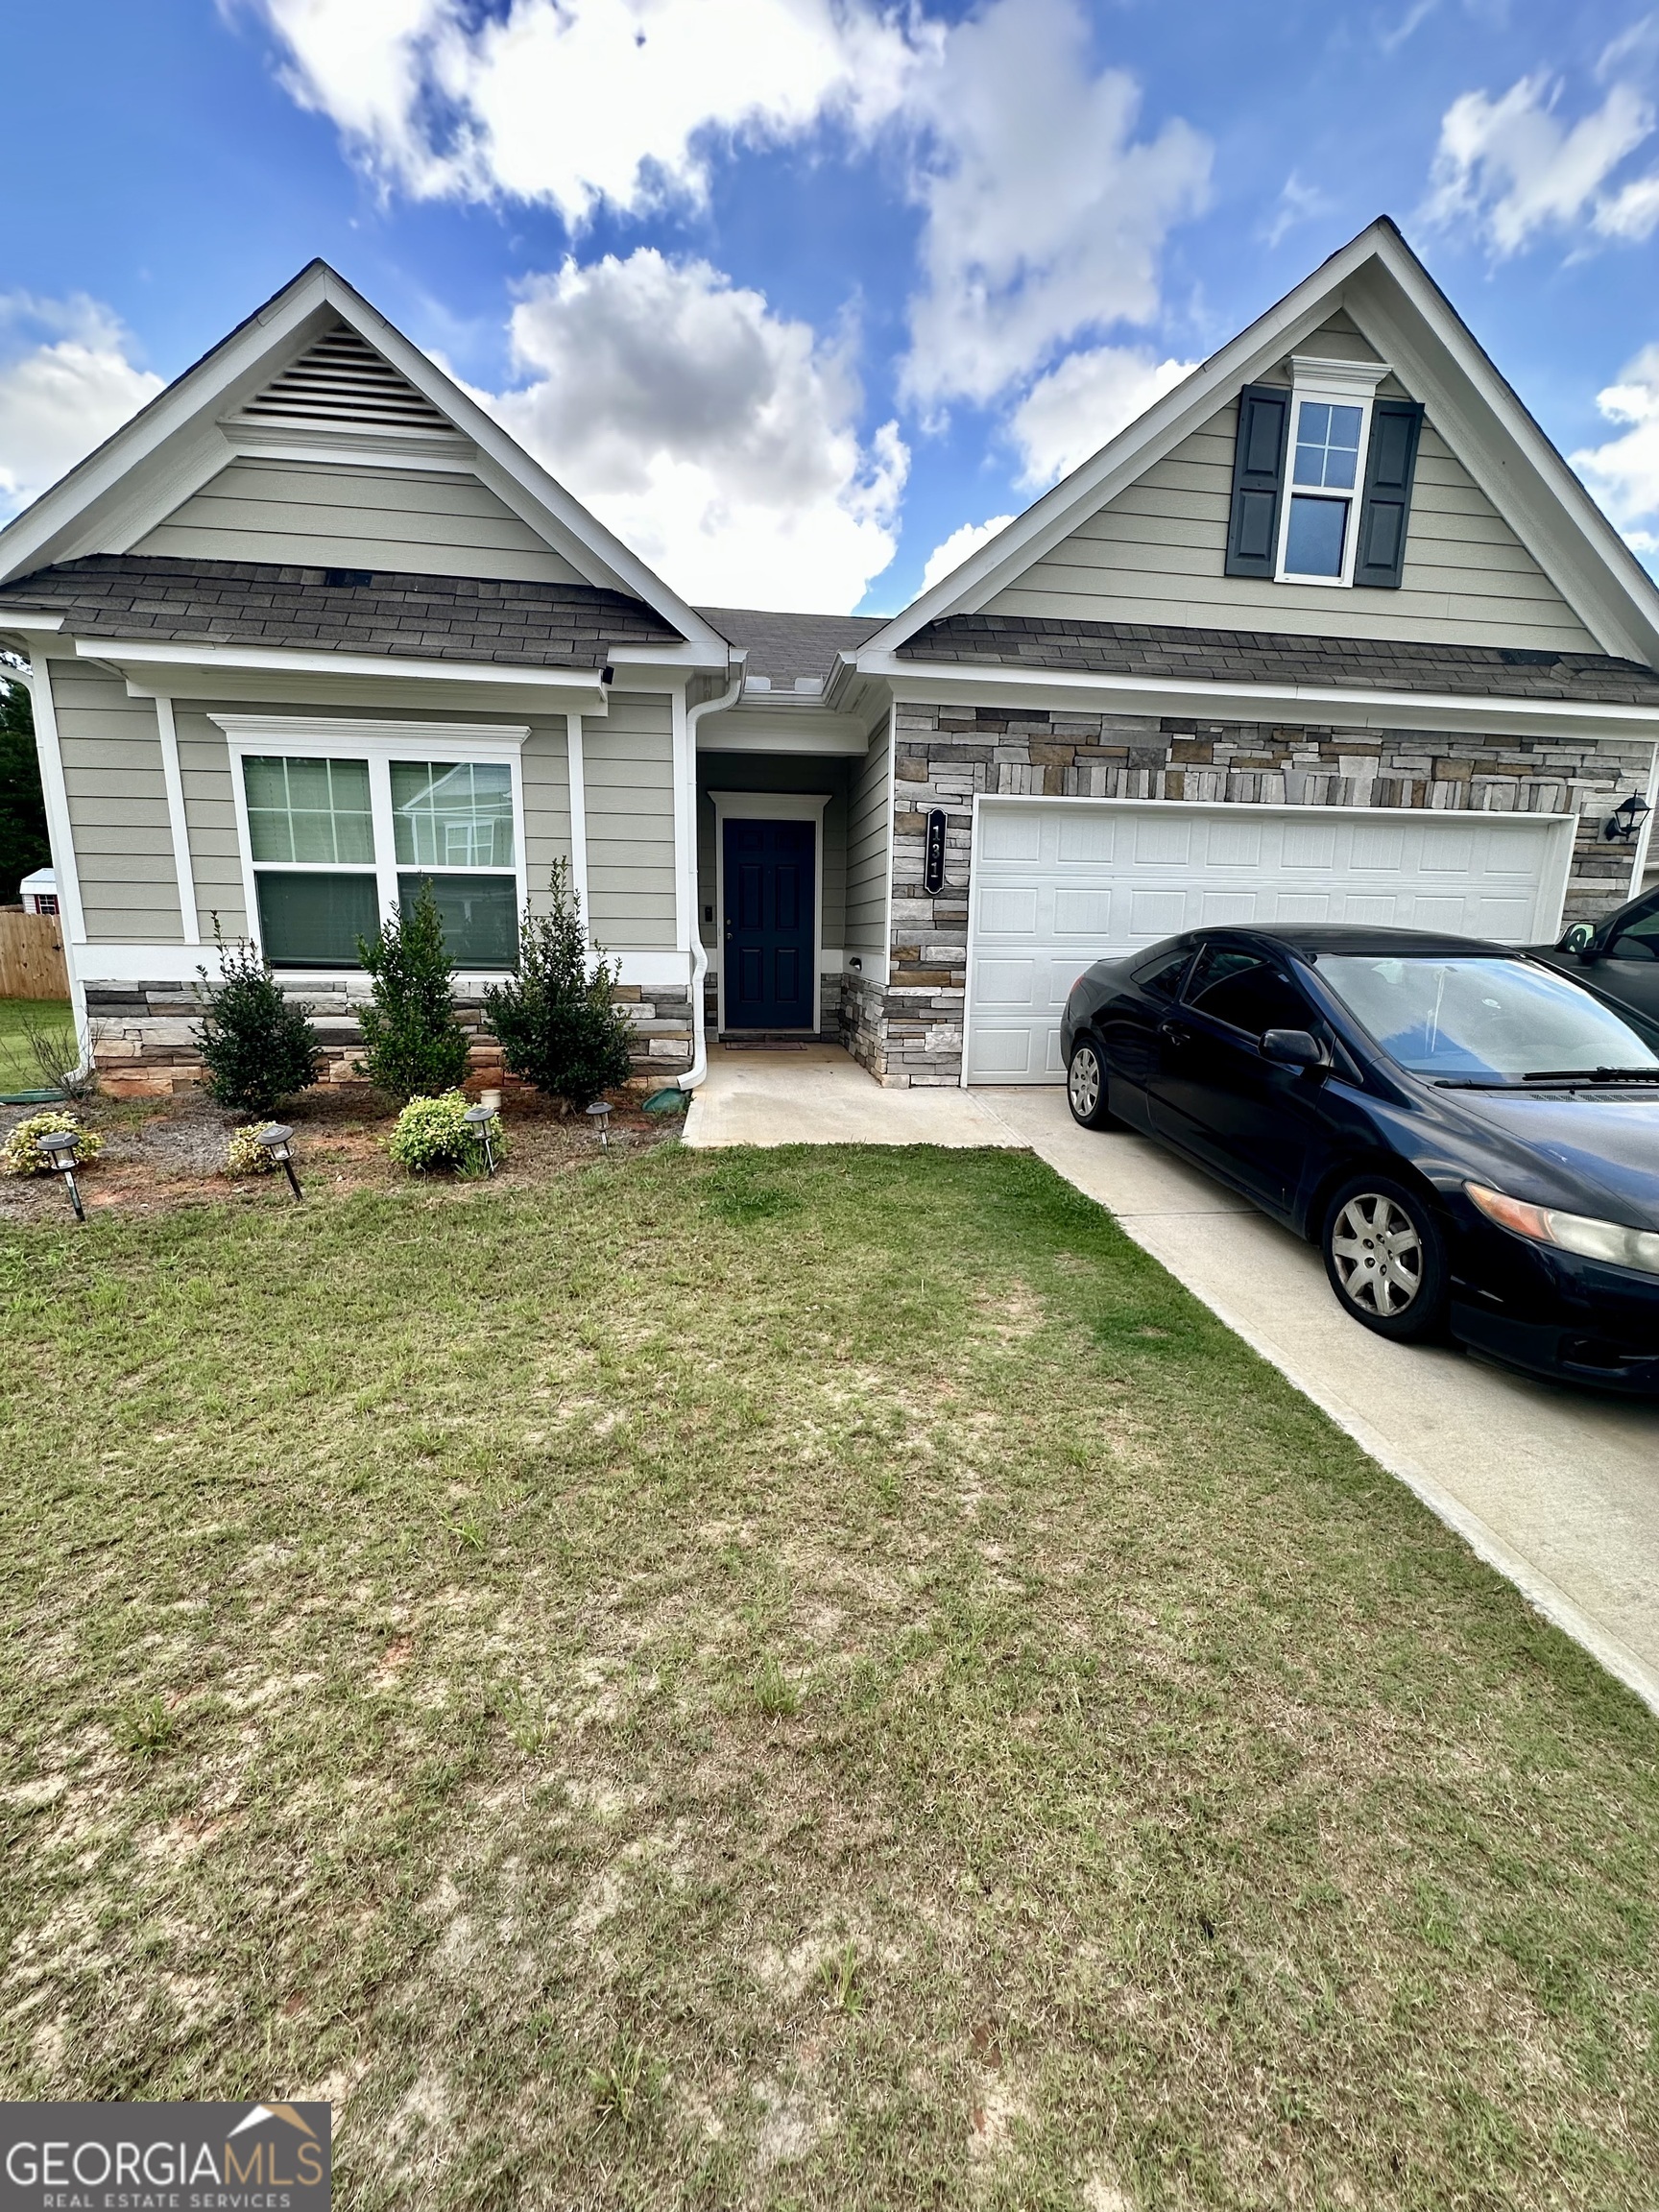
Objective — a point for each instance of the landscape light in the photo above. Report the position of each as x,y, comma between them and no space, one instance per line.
1622,825
599,1114
59,1146
279,1142
478,1118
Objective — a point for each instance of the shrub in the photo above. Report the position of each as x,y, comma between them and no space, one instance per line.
258,1047
21,1155
55,1047
554,1020
434,1132
415,1047
245,1155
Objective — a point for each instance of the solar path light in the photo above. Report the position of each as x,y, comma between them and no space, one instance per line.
599,1114
61,1147
279,1142
478,1120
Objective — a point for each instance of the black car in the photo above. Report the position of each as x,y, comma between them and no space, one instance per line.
1471,1140
1617,958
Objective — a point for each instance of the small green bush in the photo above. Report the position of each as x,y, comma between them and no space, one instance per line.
555,1021
245,1155
21,1155
434,1132
257,1046
414,1048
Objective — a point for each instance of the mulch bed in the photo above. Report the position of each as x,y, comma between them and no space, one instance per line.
163,1153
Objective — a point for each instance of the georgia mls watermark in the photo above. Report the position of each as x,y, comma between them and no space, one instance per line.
164,2158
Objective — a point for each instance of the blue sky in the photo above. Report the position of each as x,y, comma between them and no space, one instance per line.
796,292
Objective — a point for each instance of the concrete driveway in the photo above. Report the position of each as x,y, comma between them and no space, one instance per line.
1557,1489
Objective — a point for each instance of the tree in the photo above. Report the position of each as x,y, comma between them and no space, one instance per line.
555,1021
414,1048
23,842
258,1046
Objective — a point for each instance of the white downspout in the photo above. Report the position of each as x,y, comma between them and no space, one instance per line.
732,692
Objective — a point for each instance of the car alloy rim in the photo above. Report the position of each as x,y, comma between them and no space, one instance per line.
1085,1081
1378,1255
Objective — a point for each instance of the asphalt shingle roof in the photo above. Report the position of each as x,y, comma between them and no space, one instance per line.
1267,656
406,617
785,646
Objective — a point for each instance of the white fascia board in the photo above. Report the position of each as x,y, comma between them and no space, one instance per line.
137,657
930,683
688,657
1132,451
28,626
753,727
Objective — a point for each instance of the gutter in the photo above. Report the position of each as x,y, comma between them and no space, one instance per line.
733,692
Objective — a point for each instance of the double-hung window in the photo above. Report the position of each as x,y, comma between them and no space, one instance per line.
1331,405
345,821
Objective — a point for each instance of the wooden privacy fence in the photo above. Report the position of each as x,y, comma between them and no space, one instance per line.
32,963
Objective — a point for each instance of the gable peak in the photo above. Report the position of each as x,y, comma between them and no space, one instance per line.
341,380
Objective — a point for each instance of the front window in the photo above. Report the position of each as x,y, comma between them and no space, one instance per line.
1482,1021
334,843
1330,429
1246,992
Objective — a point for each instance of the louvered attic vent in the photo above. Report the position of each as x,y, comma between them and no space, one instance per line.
342,380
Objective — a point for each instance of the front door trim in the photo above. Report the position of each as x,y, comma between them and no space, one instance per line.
770,807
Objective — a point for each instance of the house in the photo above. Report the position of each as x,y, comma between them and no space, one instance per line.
1331,631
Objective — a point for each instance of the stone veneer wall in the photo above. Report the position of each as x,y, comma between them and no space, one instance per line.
145,1049
911,1032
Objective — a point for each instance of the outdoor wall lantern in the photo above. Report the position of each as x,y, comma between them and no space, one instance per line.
279,1142
599,1114
478,1120
60,1147
1622,824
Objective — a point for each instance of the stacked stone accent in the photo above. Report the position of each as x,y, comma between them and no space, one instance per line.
911,1032
145,1034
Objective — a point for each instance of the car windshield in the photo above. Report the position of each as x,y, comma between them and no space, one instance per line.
1482,1021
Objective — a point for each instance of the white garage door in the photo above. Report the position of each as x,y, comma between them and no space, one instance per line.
1060,882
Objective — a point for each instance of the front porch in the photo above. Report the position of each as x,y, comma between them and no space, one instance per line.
815,1092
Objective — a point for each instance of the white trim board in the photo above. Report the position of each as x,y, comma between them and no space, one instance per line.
770,807
667,968
178,820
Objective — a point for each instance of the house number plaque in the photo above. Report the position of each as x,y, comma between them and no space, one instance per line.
933,881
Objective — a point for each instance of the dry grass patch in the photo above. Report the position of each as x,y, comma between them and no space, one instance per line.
812,1680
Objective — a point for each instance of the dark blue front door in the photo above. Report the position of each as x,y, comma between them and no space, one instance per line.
769,926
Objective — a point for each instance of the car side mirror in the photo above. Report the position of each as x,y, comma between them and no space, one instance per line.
1578,939
1292,1048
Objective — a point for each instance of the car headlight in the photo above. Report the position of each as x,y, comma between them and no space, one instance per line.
1572,1232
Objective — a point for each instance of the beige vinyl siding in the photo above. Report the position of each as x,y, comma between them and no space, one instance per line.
545,774
869,848
1156,554
819,776
112,776
628,762
424,521
210,822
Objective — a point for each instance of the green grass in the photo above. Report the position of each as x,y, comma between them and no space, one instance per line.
18,1069
808,1679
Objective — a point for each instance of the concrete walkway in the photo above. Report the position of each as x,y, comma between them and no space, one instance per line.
1556,1489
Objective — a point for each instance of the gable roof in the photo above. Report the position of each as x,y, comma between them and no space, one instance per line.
317,369
790,648
1396,304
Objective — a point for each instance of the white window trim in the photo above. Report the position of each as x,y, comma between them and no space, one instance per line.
770,807
316,738
1345,384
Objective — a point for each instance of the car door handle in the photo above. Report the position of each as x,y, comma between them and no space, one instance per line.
1175,1033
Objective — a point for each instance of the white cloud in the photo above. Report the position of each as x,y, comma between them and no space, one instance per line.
1298,203
1043,215
1509,168
714,438
1624,473
955,549
62,395
572,101
1070,413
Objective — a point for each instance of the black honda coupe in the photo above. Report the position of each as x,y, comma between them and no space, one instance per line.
1472,1138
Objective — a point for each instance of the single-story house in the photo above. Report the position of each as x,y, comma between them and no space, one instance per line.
1331,631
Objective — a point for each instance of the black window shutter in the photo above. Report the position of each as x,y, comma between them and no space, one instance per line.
1257,479
1379,557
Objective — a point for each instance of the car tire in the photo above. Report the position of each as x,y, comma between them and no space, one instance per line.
1085,1087
1386,1256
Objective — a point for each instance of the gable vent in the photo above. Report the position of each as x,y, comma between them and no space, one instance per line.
342,380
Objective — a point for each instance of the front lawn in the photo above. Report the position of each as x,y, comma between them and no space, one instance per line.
811,1679
19,1070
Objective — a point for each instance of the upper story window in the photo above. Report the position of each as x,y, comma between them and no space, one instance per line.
1329,426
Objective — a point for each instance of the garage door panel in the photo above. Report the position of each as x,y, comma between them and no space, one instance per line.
1060,883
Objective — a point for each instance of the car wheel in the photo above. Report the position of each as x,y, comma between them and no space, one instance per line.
1386,1256
1085,1087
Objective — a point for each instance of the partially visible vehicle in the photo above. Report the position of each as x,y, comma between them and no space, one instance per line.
1471,1140
1618,958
